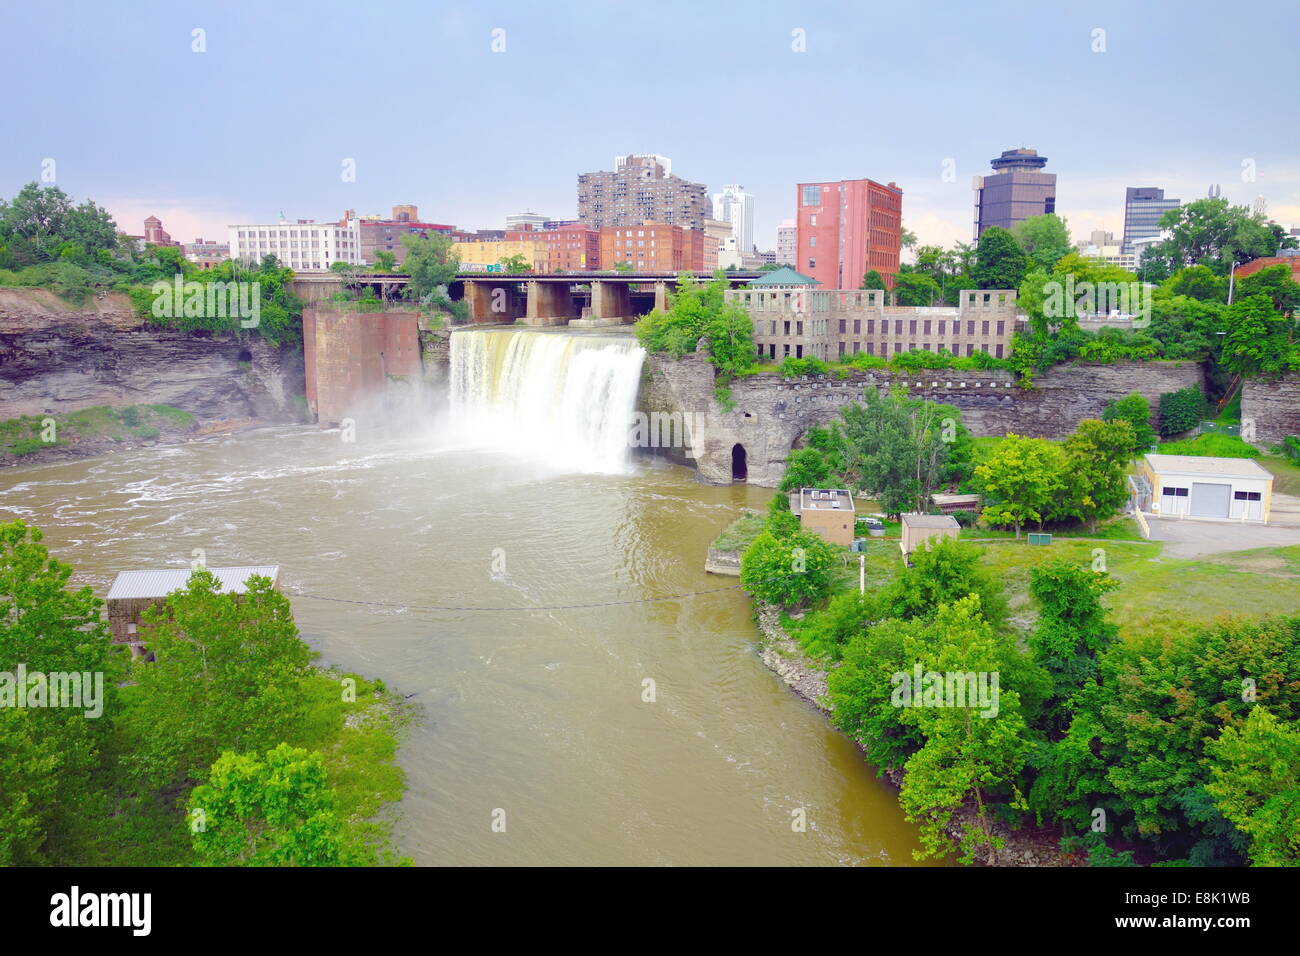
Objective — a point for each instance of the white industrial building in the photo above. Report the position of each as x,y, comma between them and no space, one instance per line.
1190,486
304,246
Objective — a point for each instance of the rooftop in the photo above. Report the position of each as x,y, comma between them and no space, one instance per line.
1202,465
824,499
930,521
784,276
160,583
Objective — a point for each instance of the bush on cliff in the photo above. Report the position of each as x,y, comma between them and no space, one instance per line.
792,570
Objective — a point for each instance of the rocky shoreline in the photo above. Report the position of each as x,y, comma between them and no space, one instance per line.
97,447
1029,846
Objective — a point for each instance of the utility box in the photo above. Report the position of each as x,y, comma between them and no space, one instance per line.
1036,537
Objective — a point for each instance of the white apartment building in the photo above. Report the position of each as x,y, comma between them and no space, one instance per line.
736,206
304,246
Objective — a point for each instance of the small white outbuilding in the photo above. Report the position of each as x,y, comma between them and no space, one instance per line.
1212,489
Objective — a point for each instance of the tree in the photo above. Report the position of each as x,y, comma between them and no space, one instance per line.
1214,233
792,570
1276,283
1071,631
944,573
272,811
1134,409
1259,340
41,224
916,289
906,237
515,263
623,267
1096,460
896,447
1180,411
228,675
1020,479
1199,282
1045,239
1255,783
873,280
50,757
431,263
1000,263
385,261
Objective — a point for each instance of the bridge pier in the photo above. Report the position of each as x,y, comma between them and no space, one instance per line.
549,303
661,296
610,301
491,301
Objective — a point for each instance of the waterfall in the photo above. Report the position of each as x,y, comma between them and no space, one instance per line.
565,399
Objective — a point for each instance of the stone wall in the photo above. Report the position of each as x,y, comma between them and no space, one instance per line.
351,356
1273,405
771,413
56,358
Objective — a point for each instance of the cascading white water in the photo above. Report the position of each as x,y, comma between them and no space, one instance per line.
564,399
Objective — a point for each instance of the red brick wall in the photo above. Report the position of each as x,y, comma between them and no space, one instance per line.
856,227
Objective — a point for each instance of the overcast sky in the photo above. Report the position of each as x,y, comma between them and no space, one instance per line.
1179,95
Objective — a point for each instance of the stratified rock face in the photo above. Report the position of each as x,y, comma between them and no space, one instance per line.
1273,405
55,359
771,413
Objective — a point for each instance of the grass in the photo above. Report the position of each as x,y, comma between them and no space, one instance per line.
31,433
740,533
1211,445
1286,474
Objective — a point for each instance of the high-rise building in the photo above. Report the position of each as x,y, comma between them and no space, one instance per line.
716,234
1143,207
787,238
525,220
736,206
1016,190
641,189
846,229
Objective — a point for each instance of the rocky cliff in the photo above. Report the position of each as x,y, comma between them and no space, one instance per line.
1273,405
772,413
56,358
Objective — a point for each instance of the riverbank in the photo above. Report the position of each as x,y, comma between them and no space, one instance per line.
807,678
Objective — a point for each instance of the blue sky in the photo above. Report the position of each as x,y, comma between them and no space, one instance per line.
262,121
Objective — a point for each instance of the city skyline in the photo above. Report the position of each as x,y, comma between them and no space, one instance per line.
255,143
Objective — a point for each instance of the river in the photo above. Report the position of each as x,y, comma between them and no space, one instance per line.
538,713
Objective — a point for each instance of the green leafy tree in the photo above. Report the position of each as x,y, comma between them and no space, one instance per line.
873,280
385,261
515,263
1071,631
916,289
623,267
1198,282
1181,411
1256,784
431,263
1096,462
228,676
277,810
1136,410
944,573
791,570
1277,283
1214,233
41,224
1020,480
1045,239
1260,341
1000,263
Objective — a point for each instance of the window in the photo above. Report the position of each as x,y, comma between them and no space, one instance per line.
1001,328
798,328
812,263
798,351
943,327
871,326
998,353
812,242
970,349
844,326
970,327
857,326
926,327
984,328
898,326
841,343
1246,495
871,348
1174,492
812,219
911,327
812,195
787,328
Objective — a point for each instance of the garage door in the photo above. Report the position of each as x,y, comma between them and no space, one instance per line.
1211,501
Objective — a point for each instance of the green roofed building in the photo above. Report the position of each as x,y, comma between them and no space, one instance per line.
783,278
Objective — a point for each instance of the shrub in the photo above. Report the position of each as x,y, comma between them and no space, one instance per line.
790,571
1181,410
792,367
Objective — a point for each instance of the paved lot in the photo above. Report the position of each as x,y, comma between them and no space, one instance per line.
1193,539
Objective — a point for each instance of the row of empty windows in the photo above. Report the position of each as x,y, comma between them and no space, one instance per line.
926,326
870,349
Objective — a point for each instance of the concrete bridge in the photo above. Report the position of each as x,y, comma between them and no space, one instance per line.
531,298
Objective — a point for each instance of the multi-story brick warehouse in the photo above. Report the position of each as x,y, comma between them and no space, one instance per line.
386,234
572,248
833,324
846,229
641,189
653,247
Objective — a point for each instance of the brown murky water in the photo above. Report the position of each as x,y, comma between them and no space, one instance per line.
535,712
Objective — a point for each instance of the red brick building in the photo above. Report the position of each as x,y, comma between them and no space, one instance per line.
653,247
1254,265
846,229
573,248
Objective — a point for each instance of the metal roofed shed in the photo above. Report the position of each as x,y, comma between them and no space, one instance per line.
1208,489
917,530
133,592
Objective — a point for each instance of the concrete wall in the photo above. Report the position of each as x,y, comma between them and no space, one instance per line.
350,357
1273,405
772,413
